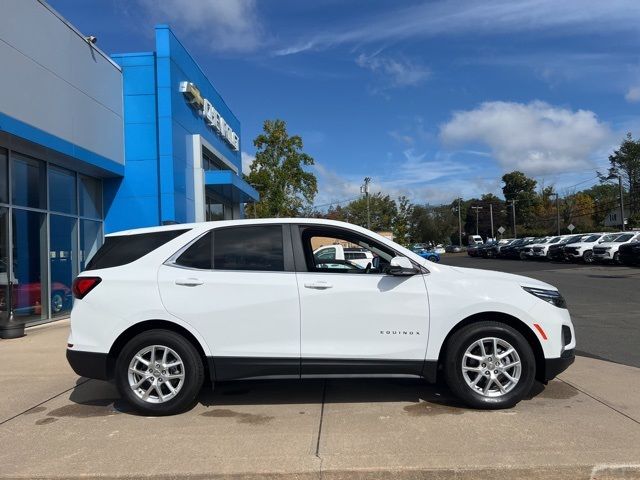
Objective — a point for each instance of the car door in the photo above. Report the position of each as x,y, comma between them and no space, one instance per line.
237,286
358,321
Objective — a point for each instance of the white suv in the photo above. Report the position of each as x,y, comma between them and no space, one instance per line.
160,309
607,251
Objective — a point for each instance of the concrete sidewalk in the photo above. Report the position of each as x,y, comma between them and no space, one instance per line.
584,425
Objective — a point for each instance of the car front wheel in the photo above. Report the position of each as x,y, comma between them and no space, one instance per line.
588,256
489,365
159,372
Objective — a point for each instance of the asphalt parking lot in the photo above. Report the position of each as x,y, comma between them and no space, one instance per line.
604,301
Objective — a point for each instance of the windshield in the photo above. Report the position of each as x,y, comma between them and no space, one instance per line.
555,240
591,238
610,238
575,239
624,238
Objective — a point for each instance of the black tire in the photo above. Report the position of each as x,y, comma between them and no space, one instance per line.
193,372
523,256
588,256
466,336
616,258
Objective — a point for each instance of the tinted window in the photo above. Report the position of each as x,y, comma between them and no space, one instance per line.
62,190
123,249
198,255
29,182
354,255
249,248
624,238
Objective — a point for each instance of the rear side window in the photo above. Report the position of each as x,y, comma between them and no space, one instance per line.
198,255
354,255
123,249
249,248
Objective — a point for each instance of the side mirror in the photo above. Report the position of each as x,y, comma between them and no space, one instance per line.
401,266
375,263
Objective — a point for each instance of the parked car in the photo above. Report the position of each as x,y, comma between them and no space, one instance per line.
527,250
453,249
472,250
241,299
359,256
542,250
583,250
26,298
493,251
508,251
430,255
630,253
475,240
608,251
556,251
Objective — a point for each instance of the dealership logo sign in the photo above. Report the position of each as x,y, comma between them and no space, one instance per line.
209,113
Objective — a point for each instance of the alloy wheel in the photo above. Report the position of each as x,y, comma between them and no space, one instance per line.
156,374
491,367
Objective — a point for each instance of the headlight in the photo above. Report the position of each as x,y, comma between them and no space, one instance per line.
551,296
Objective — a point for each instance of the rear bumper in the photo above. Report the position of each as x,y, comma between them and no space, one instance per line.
555,366
89,364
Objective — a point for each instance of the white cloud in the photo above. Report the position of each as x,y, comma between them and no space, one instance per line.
247,160
224,25
455,17
395,72
633,95
536,138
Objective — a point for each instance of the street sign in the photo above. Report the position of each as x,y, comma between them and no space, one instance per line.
501,230
571,226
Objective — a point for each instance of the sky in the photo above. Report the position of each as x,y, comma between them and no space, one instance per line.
431,99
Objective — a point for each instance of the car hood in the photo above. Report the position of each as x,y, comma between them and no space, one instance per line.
492,276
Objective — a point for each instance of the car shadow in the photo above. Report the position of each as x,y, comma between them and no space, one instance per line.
96,398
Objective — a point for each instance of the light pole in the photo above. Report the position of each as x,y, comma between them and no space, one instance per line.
459,222
611,177
491,215
477,209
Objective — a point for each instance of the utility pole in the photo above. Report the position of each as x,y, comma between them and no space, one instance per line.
459,222
477,209
557,211
365,189
491,215
513,211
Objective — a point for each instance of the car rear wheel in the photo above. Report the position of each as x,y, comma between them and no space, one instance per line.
489,365
159,372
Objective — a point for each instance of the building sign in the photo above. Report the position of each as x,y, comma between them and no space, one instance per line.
209,114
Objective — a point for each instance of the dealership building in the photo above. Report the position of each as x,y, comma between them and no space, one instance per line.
92,144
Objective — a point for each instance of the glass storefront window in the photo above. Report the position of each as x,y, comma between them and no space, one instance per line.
4,177
214,211
5,275
62,190
90,241
62,246
29,181
29,294
90,197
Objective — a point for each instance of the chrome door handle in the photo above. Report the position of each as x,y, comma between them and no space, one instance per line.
318,285
189,282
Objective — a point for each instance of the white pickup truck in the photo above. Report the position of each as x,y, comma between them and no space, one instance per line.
357,256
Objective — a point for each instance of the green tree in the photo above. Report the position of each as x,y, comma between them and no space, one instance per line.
383,211
286,188
626,162
517,186
402,221
605,198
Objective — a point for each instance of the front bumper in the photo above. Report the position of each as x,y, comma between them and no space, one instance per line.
555,366
89,364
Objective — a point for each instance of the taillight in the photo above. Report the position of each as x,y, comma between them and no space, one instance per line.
83,285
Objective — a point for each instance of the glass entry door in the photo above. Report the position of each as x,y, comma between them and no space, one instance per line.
5,269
